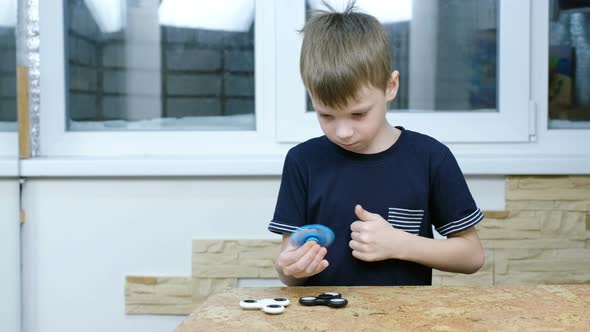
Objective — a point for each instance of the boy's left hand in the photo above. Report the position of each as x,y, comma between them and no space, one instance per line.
373,238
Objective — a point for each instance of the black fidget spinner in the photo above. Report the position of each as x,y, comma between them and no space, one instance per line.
331,299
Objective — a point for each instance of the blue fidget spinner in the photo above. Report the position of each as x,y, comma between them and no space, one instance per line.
321,234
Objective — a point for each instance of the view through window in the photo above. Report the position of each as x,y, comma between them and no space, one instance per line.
445,51
160,65
569,64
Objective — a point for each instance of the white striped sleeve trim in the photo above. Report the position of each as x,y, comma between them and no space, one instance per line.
276,227
461,224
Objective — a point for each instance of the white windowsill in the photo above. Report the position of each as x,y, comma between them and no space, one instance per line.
271,165
172,166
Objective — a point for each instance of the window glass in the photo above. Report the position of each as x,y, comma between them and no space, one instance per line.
445,51
160,65
8,66
569,64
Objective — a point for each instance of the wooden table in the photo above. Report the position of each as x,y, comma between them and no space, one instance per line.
443,308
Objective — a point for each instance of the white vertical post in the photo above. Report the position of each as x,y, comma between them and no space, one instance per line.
142,46
422,58
10,285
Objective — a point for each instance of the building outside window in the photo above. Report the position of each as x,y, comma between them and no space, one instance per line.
569,64
148,65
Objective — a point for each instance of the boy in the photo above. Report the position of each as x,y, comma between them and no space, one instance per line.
379,188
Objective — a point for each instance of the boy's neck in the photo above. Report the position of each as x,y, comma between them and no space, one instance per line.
385,139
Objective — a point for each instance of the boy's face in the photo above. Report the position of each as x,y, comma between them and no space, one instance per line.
361,126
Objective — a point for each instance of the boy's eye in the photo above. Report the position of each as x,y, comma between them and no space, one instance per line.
358,115
325,116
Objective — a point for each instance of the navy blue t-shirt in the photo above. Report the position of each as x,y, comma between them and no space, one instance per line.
415,184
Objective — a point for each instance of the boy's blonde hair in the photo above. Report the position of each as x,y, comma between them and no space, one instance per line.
342,53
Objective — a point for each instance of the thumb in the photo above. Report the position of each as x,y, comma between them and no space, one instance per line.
365,215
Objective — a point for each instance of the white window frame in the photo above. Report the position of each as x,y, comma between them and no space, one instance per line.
509,124
528,147
56,141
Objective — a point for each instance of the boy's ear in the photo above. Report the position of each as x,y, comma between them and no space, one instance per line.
392,86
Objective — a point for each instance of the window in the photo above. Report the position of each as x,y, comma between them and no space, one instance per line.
156,78
151,65
7,79
569,64
461,63
8,118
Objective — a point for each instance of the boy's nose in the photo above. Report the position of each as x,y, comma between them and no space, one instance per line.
344,132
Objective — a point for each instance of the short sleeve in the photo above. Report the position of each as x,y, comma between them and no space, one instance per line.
290,211
453,208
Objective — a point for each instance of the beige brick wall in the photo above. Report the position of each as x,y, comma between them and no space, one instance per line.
216,264
546,233
543,237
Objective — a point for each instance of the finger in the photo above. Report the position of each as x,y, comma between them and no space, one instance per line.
311,268
292,254
358,255
303,268
361,237
301,251
292,247
355,245
365,215
323,265
357,226
302,263
361,213
356,236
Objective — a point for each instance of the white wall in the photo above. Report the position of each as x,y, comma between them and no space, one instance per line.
83,236
9,256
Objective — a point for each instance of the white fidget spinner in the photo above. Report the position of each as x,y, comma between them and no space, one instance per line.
270,306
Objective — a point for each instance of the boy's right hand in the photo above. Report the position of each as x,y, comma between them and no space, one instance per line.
302,262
